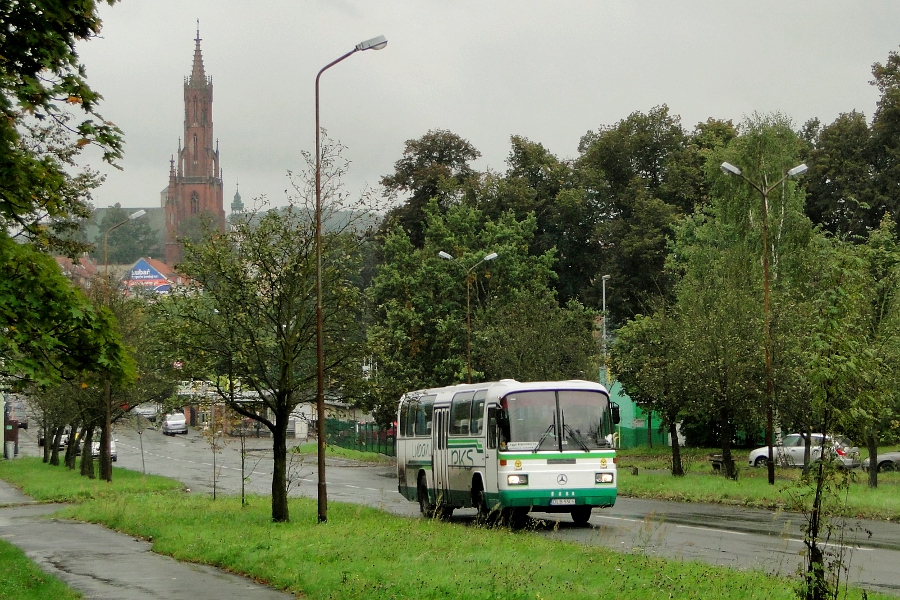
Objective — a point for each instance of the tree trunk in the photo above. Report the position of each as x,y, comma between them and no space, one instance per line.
87,460
70,448
105,458
280,512
650,429
872,447
54,440
677,467
727,459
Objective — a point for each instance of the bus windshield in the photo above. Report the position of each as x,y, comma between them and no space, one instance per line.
554,420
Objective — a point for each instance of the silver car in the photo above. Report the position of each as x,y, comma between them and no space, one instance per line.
174,423
792,450
886,461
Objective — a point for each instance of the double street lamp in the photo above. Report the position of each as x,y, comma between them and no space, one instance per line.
376,43
469,278
764,188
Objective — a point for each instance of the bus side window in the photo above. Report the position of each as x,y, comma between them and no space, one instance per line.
461,413
478,412
493,426
404,419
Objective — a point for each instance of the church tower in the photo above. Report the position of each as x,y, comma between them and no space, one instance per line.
195,180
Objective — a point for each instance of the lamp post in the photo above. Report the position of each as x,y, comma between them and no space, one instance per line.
447,256
131,217
376,43
604,279
106,465
764,189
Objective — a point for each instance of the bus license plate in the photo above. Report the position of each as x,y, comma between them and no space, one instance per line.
561,501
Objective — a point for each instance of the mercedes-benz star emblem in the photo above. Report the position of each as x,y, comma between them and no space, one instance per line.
562,480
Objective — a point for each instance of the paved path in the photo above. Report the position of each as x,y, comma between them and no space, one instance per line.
103,564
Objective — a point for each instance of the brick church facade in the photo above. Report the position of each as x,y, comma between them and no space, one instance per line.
195,178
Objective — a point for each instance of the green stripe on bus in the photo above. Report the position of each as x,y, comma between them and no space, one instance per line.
546,455
467,443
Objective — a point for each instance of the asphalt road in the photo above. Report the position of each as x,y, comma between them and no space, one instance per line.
728,536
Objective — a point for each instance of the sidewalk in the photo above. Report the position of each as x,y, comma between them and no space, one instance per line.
103,564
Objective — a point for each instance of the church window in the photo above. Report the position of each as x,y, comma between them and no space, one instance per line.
195,203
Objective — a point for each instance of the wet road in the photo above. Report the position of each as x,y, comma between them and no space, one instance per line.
727,536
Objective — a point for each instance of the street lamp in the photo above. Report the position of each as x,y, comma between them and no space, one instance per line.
376,43
604,279
447,256
131,217
764,189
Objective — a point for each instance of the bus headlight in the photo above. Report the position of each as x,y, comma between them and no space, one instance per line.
517,479
603,477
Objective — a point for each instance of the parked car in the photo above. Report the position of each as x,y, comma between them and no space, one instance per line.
148,410
886,461
95,449
63,440
792,449
174,423
17,413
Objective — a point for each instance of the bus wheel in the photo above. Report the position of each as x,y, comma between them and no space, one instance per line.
581,515
427,508
486,516
515,518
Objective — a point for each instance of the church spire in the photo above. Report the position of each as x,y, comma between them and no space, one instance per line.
198,74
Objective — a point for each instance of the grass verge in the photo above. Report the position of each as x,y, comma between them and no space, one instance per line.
364,553
311,448
751,489
21,579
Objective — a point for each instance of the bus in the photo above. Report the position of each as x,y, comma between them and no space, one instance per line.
508,448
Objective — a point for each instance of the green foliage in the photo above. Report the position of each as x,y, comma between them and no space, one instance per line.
435,166
51,329
420,335
41,81
130,240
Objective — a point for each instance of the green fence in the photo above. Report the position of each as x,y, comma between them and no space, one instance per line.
365,437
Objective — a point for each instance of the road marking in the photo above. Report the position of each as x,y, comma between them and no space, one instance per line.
712,529
619,519
851,547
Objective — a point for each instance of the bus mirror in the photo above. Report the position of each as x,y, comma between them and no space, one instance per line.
614,410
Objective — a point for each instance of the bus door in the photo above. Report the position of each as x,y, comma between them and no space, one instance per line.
439,453
491,457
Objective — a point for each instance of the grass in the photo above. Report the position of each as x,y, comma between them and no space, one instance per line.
21,579
339,452
364,553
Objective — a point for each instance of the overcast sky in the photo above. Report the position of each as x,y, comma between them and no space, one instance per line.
486,70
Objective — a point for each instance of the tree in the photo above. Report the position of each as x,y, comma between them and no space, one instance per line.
127,243
642,174
52,329
419,336
646,359
41,80
839,182
249,322
435,166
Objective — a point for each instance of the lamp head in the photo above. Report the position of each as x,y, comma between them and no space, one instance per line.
729,169
376,43
137,214
605,278
445,256
490,256
798,170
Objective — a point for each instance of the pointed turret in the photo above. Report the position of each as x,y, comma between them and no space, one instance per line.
236,205
198,74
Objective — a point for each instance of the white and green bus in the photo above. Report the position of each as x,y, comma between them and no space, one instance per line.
508,448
